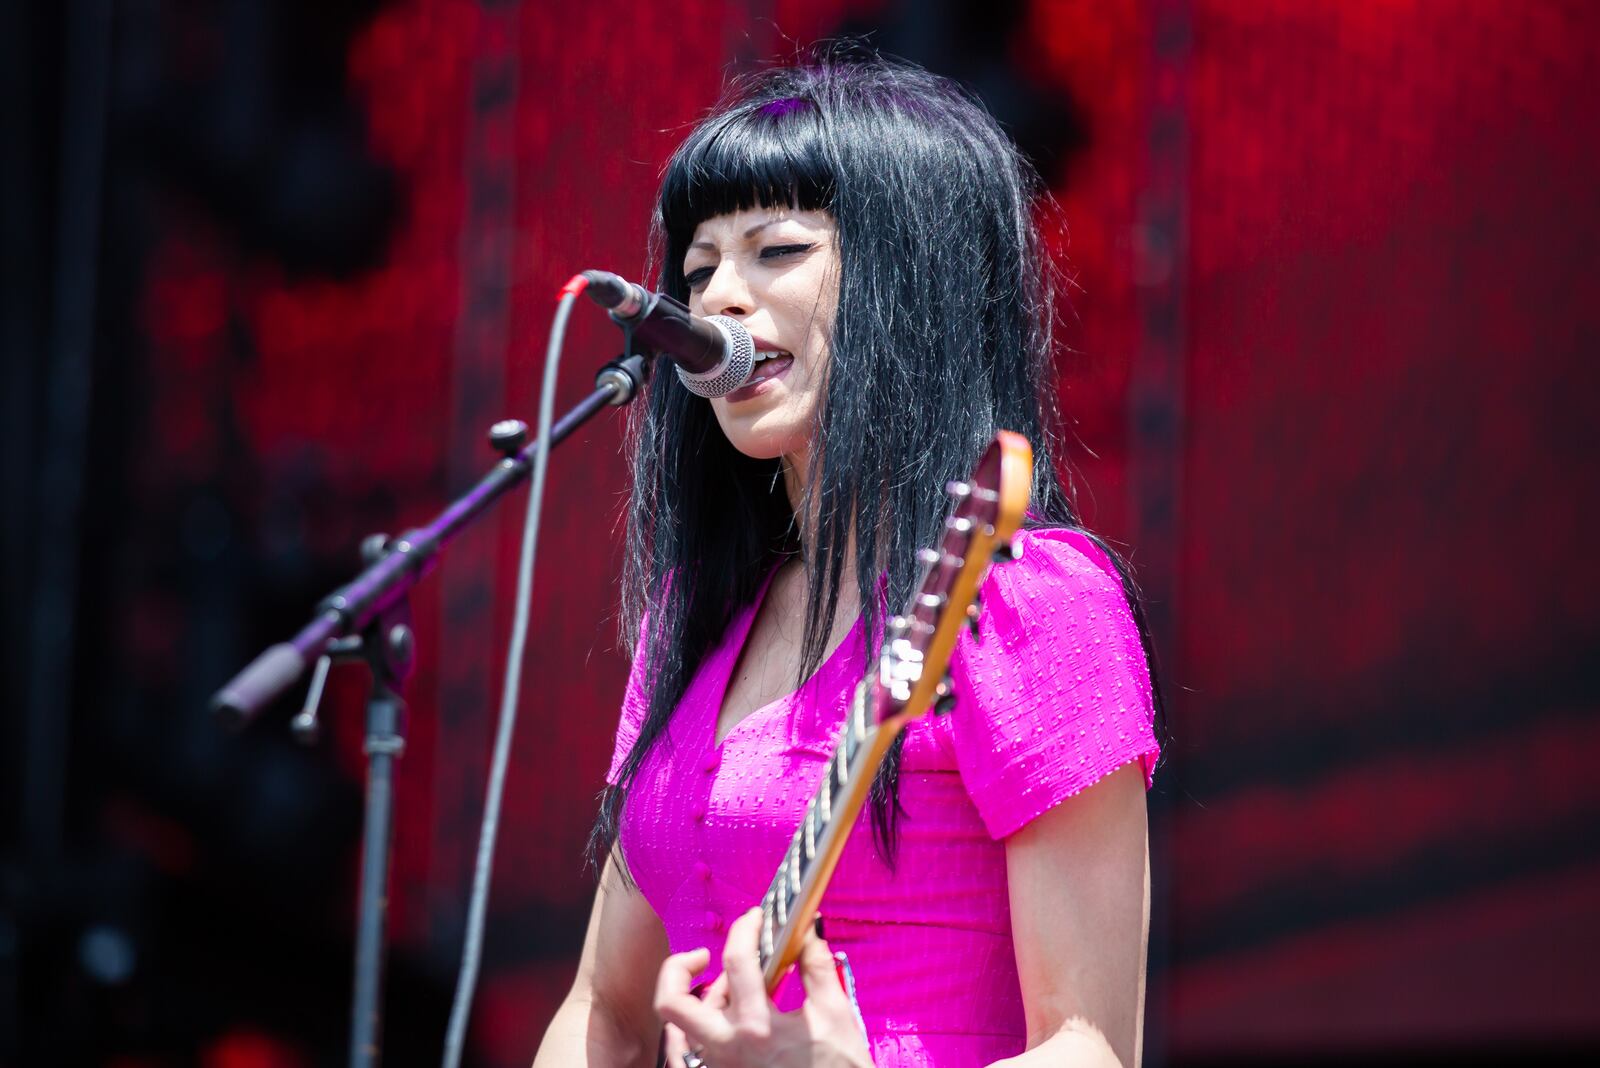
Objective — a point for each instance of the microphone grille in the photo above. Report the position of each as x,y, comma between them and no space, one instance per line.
734,370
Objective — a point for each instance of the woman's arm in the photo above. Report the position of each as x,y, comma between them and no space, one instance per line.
608,1019
1079,880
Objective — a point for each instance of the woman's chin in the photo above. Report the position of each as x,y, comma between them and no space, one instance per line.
764,435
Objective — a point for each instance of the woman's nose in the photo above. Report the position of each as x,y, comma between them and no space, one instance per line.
726,292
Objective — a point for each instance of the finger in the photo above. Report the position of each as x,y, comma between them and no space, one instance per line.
675,1004
717,994
741,963
701,1026
674,1046
819,974
678,971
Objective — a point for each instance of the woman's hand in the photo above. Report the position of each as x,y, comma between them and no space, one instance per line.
737,1025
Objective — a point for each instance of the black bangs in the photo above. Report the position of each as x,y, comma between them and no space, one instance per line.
768,152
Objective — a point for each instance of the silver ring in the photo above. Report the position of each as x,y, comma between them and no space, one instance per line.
692,1059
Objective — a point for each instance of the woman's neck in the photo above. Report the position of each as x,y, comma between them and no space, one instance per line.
796,468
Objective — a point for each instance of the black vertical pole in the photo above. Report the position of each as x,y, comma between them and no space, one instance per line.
1156,432
384,743
387,646
63,455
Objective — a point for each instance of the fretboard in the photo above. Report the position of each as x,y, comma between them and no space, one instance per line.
791,899
911,677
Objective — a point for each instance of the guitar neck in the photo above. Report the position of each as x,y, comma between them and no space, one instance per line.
910,677
791,901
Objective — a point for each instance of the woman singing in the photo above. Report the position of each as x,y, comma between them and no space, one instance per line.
873,229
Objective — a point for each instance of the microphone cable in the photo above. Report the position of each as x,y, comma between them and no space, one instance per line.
472,952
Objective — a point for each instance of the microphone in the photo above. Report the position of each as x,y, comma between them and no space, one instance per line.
714,354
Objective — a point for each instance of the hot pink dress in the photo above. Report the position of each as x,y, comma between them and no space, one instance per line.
1055,697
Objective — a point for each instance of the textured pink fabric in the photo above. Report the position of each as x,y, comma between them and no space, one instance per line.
1055,697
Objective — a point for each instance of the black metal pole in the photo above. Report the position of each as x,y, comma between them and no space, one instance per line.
406,559
374,606
384,743
579,415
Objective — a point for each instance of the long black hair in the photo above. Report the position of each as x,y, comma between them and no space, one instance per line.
944,334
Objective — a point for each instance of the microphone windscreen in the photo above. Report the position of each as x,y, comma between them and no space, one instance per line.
733,370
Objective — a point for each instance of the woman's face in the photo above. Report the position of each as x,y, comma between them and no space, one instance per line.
776,270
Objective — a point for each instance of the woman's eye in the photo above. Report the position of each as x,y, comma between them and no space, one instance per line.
772,252
697,278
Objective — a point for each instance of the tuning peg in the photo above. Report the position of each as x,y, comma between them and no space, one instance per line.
944,696
957,490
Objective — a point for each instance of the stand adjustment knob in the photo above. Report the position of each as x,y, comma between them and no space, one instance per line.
508,436
304,726
374,547
401,644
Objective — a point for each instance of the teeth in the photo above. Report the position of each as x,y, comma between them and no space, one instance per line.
767,355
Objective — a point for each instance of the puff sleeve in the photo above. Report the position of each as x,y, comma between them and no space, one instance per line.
1057,694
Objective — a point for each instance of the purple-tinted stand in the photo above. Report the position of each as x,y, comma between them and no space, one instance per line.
370,618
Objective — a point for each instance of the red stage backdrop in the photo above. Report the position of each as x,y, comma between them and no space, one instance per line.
1331,370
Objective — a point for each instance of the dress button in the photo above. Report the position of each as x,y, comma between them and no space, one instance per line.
700,814
702,869
711,763
714,921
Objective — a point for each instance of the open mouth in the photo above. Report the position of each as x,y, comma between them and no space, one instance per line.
768,364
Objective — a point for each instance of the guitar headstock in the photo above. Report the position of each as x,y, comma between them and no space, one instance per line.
988,509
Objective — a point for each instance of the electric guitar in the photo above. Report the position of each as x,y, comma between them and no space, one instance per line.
911,678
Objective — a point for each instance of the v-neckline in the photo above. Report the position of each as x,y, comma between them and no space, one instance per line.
741,640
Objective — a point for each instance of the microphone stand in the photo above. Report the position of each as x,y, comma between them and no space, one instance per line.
369,619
